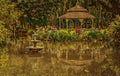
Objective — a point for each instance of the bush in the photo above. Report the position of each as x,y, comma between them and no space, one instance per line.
4,34
92,34
70,37
84,35
53,35
102,34
113,32
62,35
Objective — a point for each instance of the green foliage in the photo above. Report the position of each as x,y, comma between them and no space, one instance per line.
113,32
62,35
92,34
102,34
44,35
70,37
9,16
4,34
42,12
3,57
53,35
9,13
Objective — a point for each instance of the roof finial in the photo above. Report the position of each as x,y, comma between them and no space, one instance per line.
77,3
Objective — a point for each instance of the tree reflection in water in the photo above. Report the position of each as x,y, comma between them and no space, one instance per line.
64,59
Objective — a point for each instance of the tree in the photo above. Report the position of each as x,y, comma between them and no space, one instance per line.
9,15
4,34
114,32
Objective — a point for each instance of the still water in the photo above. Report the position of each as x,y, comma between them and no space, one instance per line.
62,59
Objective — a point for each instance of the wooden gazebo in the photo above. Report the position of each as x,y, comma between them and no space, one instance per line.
77,12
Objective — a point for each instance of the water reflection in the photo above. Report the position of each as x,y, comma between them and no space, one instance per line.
64,59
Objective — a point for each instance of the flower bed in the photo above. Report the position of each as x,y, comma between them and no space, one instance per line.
64,35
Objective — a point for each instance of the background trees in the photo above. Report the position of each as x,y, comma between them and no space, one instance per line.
9,13
114,32
44,12
8,19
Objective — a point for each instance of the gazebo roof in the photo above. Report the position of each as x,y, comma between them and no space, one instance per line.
77,9
77,15
77,12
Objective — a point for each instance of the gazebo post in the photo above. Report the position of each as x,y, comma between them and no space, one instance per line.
59,24
67,24
80,23
92,23
81,20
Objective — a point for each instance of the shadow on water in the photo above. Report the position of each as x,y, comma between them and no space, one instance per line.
63,59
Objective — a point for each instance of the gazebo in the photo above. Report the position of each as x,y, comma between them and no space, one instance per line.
77,12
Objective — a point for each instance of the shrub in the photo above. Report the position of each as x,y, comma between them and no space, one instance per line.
53,35
84,35
92,34
61,36
113,32
4,34
70,37
102,34
44,35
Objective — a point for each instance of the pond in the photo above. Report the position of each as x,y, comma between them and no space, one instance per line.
61,59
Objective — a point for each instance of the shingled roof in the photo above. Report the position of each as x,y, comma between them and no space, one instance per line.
77,12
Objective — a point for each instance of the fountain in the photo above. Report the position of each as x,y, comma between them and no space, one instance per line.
35,48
